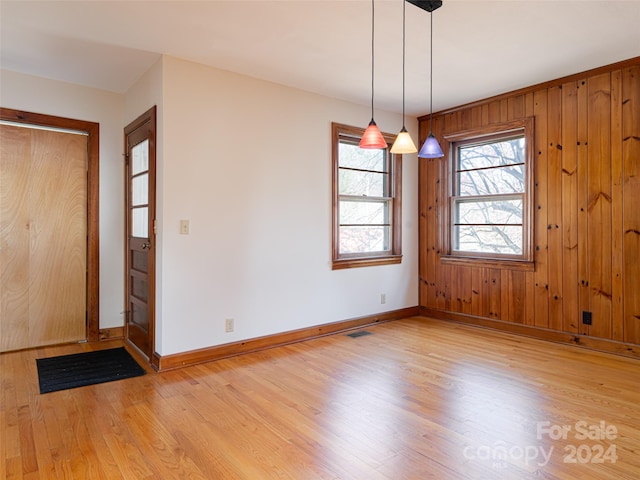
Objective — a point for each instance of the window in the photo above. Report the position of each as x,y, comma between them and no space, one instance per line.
366,201
490,199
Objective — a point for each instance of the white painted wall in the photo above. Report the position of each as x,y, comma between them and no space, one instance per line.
248,163
34,94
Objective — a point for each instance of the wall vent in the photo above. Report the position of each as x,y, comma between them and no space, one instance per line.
361,333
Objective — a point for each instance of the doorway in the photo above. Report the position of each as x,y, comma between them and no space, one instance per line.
140,261
48,230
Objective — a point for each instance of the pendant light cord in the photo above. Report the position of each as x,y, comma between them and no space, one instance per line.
431,77
404,7
373,25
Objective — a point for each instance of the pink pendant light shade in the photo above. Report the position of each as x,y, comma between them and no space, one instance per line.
403,143
431,148
372,137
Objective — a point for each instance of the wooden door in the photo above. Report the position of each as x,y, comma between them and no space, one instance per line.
140,233
43,237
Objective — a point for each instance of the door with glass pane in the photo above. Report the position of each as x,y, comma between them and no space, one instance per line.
140,232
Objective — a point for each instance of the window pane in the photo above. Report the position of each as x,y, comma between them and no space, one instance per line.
491,181
353,156
488,239
364,239
488,212
362,183
140,160
140,222
503,152
140,190
364,212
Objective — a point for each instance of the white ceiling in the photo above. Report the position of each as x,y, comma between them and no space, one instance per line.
481,48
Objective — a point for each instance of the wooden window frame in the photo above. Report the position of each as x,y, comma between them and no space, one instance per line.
394,254
492,260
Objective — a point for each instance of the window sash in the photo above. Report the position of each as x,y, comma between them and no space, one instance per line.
386,198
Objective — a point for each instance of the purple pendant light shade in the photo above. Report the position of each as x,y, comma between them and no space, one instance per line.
431,147
372,137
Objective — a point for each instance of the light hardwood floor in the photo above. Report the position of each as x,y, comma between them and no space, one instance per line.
416,399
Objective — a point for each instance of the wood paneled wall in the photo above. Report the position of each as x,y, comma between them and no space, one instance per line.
587,211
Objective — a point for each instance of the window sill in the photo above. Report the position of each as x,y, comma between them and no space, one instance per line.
507,264
342,263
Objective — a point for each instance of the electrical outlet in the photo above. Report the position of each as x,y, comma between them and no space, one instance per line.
184,227
383,298
229,325
586,318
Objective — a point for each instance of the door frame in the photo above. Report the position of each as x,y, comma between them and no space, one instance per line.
92,130
148,117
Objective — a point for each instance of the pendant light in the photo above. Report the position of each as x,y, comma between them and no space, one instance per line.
372,137
431,147
403,143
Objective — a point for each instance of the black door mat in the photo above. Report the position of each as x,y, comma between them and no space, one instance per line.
89,368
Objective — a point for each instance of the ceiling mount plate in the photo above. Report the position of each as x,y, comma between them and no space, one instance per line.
427,5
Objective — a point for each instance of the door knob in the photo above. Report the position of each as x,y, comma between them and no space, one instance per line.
146,245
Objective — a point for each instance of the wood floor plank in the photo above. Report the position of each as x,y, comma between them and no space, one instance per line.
418,398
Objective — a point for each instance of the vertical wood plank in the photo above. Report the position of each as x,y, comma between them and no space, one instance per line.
425,228
570,303
476,291
617,207
504,110
583,204
631,166
494,112
518,303
495,298
599,207
430,219
450,123
486,292
515,107
554,206
476,117
505,295
463,289
453,289
540,218
485,114
530,304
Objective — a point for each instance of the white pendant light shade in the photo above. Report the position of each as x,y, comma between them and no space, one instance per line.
403,143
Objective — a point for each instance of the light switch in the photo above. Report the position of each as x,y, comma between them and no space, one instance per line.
184,227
